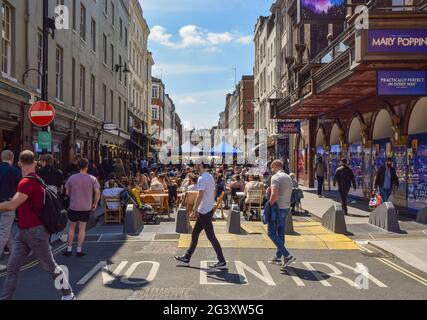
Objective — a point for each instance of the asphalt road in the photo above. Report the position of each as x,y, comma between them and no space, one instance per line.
146,270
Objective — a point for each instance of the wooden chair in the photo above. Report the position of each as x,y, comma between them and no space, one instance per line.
219,204
255,198
151,201
112,216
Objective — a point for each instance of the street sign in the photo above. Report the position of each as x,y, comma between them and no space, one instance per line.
41,114
45,140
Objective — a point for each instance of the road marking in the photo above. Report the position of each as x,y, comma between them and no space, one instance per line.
336,273
295,277
317,274
264,276
360,267
403,271
361,248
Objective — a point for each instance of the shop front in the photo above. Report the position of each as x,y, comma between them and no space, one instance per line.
356,157
322,151
335,155
417,156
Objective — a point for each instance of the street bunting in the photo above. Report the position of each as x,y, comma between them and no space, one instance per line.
41,114
288,127
402,82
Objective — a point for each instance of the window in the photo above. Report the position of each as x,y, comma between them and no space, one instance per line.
106,7
104,101
39,59
155,113
73,82
126,37
120,111
92,93
120,71
113,13
82,87
155,92
93,33
112,105
112,56
125,114
6,39
121,28
74,15
59,73
104,49
83,22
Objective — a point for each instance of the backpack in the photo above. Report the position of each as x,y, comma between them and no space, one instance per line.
53,217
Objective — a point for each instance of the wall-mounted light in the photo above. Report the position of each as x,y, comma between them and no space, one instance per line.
124,67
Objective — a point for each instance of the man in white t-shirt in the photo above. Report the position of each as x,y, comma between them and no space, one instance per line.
204,211
112,192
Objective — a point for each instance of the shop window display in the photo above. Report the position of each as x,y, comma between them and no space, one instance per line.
334,163
417,171
355,160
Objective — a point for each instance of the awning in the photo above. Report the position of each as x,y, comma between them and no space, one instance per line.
134,145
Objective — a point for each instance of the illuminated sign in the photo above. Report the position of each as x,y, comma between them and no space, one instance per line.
317,11
402,82
287,127
397,41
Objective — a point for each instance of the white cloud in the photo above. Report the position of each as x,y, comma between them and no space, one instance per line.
185,69
187,100
193,36
245,40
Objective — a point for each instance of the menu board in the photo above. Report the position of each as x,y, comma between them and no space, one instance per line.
417,172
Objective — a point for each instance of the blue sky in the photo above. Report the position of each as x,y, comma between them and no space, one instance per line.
196,46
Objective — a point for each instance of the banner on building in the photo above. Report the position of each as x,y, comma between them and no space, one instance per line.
397,41
288,127
321,11
402,82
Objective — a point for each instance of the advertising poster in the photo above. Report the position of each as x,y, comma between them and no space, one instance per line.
367,170
402,82
399,159
317,11
417,175
334,161
397,41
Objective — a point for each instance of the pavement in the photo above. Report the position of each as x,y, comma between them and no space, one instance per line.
409,245
328,266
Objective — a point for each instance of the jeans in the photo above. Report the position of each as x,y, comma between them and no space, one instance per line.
6,223
344,194
320,182
385,194
276,232
204,222
36,240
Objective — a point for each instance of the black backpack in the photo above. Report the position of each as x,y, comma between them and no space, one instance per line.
53,217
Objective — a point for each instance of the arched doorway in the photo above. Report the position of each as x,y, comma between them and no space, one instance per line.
321,152
335,153
382,136
356,156
417,156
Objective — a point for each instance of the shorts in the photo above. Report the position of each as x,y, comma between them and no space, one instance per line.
79,216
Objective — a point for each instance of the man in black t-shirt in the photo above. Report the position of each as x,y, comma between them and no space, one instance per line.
53,178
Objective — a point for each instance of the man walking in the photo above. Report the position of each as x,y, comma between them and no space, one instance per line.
344,176
386,180
321,171
32,235
9,179
281,191
84,192
204,211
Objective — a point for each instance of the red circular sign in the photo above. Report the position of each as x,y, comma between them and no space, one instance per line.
41,114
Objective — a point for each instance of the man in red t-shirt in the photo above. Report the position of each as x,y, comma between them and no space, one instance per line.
32,235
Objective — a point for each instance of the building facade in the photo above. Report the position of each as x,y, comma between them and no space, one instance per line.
140,66
330,83
157,112
84,85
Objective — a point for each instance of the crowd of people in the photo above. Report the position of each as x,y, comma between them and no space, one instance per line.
83,185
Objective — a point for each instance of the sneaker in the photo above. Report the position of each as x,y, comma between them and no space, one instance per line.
219,265
69,297
287,262
67,254
80,254
183,260
275,260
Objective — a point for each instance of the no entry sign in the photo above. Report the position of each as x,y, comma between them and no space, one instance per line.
41,114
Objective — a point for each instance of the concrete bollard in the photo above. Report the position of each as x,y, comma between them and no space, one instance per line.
182,221
233,220
334,219
133,221
289,224
422,216
385,217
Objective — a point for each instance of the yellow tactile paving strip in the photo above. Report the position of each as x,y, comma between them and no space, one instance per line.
308,235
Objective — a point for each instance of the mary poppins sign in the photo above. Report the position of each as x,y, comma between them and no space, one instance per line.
287,127
397,41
